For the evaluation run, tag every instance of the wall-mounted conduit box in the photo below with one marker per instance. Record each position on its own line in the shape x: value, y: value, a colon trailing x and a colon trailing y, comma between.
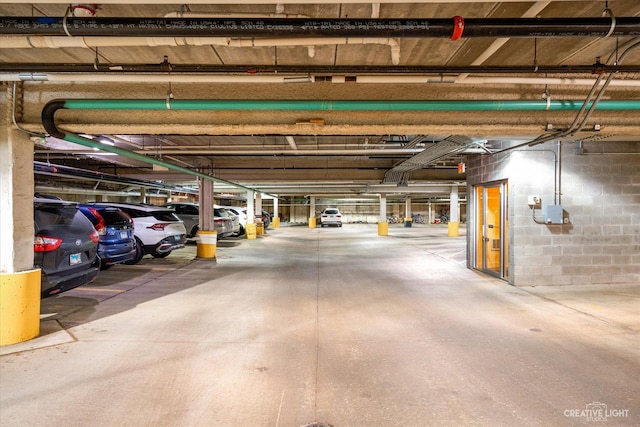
x: 553, y: 214
x: 534, y: 201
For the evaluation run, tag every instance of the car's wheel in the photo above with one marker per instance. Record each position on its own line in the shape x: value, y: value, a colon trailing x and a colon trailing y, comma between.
x: 160, y: 254
x: 194, y: 231
x: 105, y: 266
x: 139, y: 253
x: 241, y: 232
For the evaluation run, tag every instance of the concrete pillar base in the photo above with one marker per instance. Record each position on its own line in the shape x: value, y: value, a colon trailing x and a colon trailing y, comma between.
x: 408, y: 221
x: 259, y: 228
x: 453, y: 229
x: 251, y: 231
x: 276, y: 222
x: 207, y: 244
x: 19, y: 306
x: 312, y: 222
x: 383, y: 229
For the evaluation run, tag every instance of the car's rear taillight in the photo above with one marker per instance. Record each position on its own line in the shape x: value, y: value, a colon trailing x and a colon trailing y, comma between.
x: 100, y: 227
x: 159, y: 226
x: 46, y: 243
x: 94, y: 236
x: 338, y: 216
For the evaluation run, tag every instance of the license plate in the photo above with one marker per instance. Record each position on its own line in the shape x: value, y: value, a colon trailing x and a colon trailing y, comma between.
x: 75, y: 259
x: 177, y: 237
x: 124, y: 235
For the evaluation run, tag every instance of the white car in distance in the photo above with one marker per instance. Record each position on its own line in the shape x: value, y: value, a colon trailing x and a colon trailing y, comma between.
x: 331, y: 216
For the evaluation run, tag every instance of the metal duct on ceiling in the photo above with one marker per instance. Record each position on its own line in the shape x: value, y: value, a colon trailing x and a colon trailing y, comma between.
x: 450, y: 145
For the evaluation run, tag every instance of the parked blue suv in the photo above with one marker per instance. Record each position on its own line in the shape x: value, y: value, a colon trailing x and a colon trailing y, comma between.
x: 115, y: 228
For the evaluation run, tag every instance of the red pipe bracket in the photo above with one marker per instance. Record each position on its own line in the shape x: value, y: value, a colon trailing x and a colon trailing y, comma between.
x: 458, y: 27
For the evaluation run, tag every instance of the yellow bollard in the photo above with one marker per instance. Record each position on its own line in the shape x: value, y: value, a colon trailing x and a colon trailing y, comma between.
x: 312, y: 222
x: 276, y: 222
x: 207, y: 244
x: 383, y: 229
x: 250, y: 230
x: 453, y: 229
x: 19, y: 306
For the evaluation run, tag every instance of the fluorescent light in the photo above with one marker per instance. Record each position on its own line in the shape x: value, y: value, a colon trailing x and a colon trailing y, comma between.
x: 297, y: 79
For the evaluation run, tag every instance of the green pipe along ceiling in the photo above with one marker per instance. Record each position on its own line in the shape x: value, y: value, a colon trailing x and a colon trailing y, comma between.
x: 296, y: 105
x: 48, y: 113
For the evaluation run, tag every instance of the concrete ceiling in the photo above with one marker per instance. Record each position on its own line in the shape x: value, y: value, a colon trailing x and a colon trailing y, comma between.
x: 316, y: 151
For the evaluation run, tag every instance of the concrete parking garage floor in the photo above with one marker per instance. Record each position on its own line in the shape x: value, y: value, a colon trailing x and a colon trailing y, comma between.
x: 336, y: 326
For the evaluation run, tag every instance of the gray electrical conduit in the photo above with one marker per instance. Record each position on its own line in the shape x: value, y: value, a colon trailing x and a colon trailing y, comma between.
x: 592, y: 105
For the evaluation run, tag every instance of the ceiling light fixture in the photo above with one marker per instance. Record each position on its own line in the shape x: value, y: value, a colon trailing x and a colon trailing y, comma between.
x: 306, y: 79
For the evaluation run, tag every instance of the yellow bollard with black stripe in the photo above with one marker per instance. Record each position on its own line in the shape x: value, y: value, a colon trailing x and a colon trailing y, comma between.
x: 19, y: 306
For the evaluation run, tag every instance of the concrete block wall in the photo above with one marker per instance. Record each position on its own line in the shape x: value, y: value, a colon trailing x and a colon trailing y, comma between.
x: 600, y: 195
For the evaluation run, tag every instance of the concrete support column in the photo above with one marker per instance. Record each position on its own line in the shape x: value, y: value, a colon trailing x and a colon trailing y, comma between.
x: 19, y: 281
x: 312, y: 212
x: 276, y: 215
x: 430, y: 217
x: 143, y: 195
x: 258, y: 215
x: 407, y: 212
x: 454, y: 214
x: 250, y: 228
x: 383, y: 225
x: 207, y: 235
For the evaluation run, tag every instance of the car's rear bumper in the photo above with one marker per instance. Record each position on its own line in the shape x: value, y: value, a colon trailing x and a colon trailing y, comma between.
x: 167, y: 244
x: 55, y: 283
x: 107, y: 258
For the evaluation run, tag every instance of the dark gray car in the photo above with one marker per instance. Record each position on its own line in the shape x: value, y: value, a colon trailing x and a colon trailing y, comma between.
x: 65, y: 246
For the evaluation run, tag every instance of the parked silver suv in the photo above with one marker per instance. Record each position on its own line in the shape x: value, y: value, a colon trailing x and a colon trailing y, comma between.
x: 190, y: 214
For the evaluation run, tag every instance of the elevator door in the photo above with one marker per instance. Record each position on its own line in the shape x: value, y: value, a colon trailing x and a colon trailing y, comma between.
x: 491, y: 231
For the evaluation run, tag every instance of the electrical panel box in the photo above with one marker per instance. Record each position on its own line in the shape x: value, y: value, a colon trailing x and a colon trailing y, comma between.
x: 553, y: 214
x: 534, y: 201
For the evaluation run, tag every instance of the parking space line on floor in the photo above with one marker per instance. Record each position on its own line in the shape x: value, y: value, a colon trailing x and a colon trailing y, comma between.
x: 82, y: 288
